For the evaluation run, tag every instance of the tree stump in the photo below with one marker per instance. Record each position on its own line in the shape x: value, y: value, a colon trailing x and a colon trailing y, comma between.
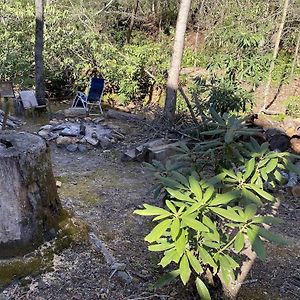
x: 29, y: 204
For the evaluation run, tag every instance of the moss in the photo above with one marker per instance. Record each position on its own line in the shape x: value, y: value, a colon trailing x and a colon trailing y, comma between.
x: 71, y: 231
x: 82, y: 190
x: 16, y: 268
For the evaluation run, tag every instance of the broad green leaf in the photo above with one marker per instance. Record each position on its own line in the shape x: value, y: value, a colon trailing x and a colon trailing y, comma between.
x: 184, y: 269
x: 256, y: 243
x: 228, y: 213
x: 229, y: 135
x: 272, y: 237
x: 202, y: 289
x: 263, y: 173
x: 175, y: 227
x: 261, y: 192
x: 250, y: 211
x: 239, y: 242
x: 278, y: 176
x: 251, y: 197
x: 207, y: 258
x: 171, y: 207
x: 208, y: 193
x: 209, y: 223
x: 194, y: 262
x: 233, y: 264
x: 180, y: 178
x: 213, y: 236
x: 195, y: 187
x: 211, y: 244
x: 216, y: 117
x: 230, y: 173
x: 158, y: 231
x: 224, y: 198
x: 249, y: 168
x: 181, y: 242
x: 272, y: 164
x: 179, y: 195
x: 169, y: 182
x: 166, y: 279
x: 151, y: 210
x: 168, y: 257
x: 212, y: 132
x: 192, y: 209
x: 160, y: 247
x: 196, y: 225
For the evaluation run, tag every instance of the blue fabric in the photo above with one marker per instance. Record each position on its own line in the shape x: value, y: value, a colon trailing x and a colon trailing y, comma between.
x: 96, y: 89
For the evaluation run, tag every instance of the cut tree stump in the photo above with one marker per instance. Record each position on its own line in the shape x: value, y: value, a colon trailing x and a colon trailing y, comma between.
x: 29, y: 204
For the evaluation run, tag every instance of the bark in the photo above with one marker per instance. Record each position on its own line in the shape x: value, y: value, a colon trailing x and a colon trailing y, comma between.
x: 39, y: 45
x: 275, y: 52
x: 29, y: 204
x: 129, y: 32
x: 178, y: 48
x: 295, y: 57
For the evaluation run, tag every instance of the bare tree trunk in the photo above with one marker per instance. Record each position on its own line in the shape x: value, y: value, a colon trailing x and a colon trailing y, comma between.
x: 178, y: 48
x: 39, y: 45
x: 295, y: 57
x: 129, y: 32
x: 275, y: 52
x: 198, y: 26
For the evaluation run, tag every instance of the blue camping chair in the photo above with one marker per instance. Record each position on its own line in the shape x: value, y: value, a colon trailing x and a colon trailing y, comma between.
x: 94, y: 95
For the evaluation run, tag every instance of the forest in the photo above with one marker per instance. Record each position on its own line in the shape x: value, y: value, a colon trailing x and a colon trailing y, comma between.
x: 185, y: 182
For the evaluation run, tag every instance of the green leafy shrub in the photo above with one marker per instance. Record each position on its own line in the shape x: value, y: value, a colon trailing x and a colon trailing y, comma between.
x: 293, y: 106
x: 210, y: 216
x: 221, y: 94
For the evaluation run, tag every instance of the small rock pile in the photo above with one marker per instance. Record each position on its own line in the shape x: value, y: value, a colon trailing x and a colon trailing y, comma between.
x: 11, y: 122
x: 80, y: 135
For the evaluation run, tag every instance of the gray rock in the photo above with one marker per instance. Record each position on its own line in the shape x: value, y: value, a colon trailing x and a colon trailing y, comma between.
x: 92, y: 141
x: 72, y: 148
x: 43, y: 133
x: 70, y: 131
x: 105, y: 142
x: 82, y: 148
x: 46, y: 127
x: 65, y: 140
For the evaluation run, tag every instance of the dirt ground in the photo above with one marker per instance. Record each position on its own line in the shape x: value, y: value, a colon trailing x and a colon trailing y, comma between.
x: 102, y: 191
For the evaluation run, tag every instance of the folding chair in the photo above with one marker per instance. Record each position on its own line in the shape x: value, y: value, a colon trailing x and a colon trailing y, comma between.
x: 94, y: 96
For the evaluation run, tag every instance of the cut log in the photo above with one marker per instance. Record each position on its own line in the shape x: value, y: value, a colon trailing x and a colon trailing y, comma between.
x: 29, y: 204
x: 74, y: 112
x: 114, y: 114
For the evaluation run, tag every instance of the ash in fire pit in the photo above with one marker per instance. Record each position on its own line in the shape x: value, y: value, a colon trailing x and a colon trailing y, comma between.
x: 5, y: 144
x: 80, y: 135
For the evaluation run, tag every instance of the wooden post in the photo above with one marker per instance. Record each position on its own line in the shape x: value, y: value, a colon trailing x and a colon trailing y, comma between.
x: 29, y: 204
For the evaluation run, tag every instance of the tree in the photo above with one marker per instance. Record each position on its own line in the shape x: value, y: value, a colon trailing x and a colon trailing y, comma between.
x: 295, y: 56
x: 39, y: 45
x: 130, y: 28
x: 178, y: 47
x: 275, y: 52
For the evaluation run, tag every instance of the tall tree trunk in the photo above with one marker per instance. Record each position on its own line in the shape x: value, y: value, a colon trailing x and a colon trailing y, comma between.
x: 39, y: 45
x: 178, y: 47
x: 295, y: 56
x: 134, y: 11
x: 275, y: 52
x: 198, y: 26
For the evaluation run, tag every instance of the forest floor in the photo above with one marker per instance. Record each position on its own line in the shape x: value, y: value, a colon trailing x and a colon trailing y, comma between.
x: 102, y: 191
